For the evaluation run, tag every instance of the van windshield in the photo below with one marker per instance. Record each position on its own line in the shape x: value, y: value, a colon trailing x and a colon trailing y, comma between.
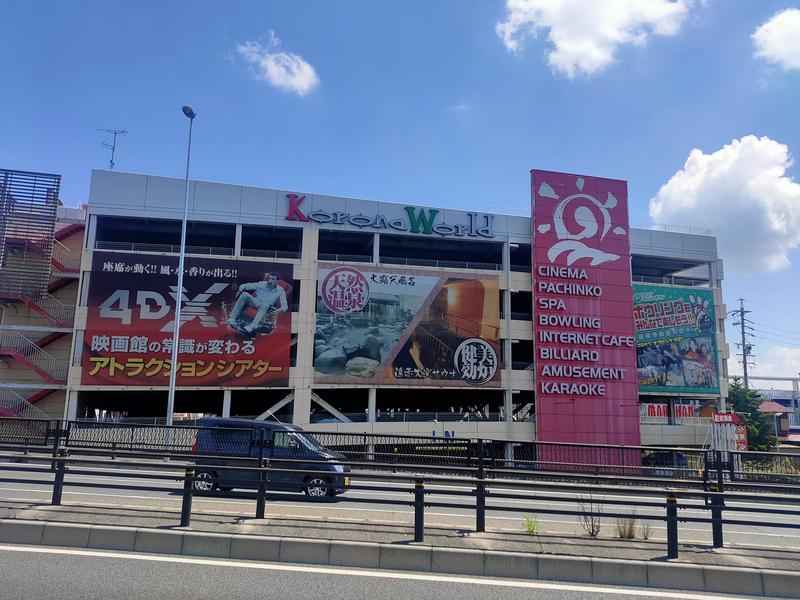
x: 310, y: 442
x: 287, y: 439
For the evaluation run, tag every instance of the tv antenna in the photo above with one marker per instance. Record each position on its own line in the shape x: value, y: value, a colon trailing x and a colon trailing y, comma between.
x: 113, y: 145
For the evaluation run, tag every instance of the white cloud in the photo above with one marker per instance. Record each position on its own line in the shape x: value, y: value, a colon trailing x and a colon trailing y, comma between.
x: 778, y: 40
x: 461, y: 107
x: 585, y: 34
x: 743, y: 194
x: 283, y: 70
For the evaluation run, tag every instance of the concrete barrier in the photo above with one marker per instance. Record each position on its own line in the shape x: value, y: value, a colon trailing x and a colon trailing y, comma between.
x: 216, y: 545
x: 729, y: 580
x: 511, y: 564
x: 408, y: 557
x: 21, y: 532
x: 565, y: 568
x: 298, y: 550
x: 675, y: 576
x: 782, y: 584
x: 619, y: 572
x: 456, y: 560
x: 105, y: 537
x: 158, y: 541
x: 254, y: 547
x: 405, y: 557
x: 354, y: 554
x: 66, y: 534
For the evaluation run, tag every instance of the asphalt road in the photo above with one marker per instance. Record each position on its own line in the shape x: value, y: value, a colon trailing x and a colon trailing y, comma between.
x: 36, y: 573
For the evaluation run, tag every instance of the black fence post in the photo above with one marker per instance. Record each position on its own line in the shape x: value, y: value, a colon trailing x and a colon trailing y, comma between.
x: 58, y: 480
x: 261, y: 497
x: 480, y: 492
x: 186, y: 505
x: 672, y: 525
x: 419, y: 510
x: 56, y: 444
x: 717, y: 504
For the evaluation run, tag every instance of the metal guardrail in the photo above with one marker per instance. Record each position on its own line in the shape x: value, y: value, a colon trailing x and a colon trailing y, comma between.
x: 344, y: 257
x: 437, y: 417
x: 167, y: 248
x: 651, y: 462
x: 445, y: 264
x: 482, y: 490
x: 27, y: 433
x: 290, y: 254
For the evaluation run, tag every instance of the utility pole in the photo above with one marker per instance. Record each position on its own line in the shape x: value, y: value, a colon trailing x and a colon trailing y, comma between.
x: 744, y: 323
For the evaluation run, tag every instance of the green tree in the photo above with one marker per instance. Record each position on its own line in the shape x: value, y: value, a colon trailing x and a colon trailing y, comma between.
x: 760, y: 427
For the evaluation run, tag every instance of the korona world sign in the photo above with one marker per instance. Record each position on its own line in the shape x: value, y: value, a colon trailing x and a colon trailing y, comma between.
x: 416, y: 220
x: 585, y: 341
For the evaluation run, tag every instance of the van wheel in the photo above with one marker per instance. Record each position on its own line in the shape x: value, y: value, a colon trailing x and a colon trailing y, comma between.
x: 317, y: 488
x: 205, y: 481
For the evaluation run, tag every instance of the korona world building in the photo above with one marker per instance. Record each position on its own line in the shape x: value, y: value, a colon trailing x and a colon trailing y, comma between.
x: 355, y: 315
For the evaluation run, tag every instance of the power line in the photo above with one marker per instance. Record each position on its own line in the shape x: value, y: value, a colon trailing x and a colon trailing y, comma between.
x: 775, y: 328
x: 790, y: 338
x: 777, y: 341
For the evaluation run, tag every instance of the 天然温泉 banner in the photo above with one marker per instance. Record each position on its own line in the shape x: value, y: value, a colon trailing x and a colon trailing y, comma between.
x: 676, y: 339
x: 396, y: 326
x: 235, y: 321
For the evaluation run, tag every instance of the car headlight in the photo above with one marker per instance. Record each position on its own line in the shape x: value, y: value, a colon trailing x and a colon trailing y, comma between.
x: 338, y: 468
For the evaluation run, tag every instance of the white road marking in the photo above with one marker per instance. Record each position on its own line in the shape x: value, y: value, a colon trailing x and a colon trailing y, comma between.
x: 370, y: 574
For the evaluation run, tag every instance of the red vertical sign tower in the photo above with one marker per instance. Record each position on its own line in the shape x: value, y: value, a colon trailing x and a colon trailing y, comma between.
x: 586, y: 384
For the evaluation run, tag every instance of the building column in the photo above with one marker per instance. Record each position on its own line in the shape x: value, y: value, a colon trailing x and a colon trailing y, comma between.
x: 671, y: 410
x: 71, y: 406
x: 301, y: 407
x: 226, y: 404
x: 508, y: 391
x: 237, y: 243
x: 371, y: 404
x: 376, y: 248
x: 303, y: 374
x: 91, y: 233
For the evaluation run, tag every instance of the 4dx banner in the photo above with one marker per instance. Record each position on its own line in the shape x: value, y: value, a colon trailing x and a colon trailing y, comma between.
x: 235, y: 322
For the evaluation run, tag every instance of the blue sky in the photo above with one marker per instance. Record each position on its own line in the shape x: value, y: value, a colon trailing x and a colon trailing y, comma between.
x: 427, y: 102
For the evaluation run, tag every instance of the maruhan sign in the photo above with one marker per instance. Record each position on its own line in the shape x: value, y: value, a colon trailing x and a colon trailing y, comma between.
x: 416, y: 220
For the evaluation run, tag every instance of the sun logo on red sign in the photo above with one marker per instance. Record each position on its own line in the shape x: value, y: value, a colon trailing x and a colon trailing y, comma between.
x: 575, y: 219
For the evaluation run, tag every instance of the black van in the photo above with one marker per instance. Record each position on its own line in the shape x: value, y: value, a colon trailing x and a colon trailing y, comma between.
x: 224, y: 441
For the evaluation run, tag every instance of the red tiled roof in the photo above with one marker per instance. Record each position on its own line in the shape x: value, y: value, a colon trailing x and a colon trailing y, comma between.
x: 770, y: 406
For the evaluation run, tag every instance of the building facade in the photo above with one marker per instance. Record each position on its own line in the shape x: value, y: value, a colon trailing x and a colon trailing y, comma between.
x: 358, y: 315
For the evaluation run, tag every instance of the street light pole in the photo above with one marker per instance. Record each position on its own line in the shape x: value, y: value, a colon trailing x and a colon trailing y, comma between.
x: 173, y: 371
